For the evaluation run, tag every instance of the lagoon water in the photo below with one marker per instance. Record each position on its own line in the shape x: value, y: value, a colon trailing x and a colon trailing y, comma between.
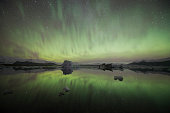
x: 91, y: 91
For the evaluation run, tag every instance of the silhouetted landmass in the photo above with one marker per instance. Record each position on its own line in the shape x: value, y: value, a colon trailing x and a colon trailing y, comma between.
x: 161, y: 66
x: 163, y: 63
x: 27, y: 63
x: 150, y: 66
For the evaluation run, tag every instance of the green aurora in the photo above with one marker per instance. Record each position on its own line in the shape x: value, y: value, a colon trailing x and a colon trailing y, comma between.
x: 85, y: 30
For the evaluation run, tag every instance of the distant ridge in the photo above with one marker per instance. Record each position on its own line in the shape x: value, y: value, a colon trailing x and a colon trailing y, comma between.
x: 157, y: 62
x: 27, y: 63
x: 11, y: 60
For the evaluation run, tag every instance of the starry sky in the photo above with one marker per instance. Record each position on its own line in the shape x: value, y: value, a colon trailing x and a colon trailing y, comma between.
x: 85, y: 30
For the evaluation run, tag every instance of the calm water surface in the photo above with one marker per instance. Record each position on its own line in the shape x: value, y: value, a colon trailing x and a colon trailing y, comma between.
x: 91, y: 91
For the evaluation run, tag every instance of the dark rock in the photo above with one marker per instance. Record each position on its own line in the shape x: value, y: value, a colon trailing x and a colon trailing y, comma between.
x: 66, y: 89
x: 111, y: 67
x: 120, y: 78
x: 67, y: 64
x: 105, y: 66
x: 7, y: 92
x: 67, y: 67
x: 61, y: 94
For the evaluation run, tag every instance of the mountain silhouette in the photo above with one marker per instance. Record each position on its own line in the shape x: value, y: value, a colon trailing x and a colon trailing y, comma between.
x: 27, y: 63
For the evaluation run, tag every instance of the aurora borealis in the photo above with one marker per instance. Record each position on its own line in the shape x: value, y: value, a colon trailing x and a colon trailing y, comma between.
x: 85, y: 30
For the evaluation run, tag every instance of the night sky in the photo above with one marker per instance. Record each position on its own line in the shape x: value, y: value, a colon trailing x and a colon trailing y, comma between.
x: 85, y: 30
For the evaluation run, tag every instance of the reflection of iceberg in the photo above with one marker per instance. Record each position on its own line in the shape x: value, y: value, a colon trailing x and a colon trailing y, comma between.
x: 120, y: 78
x: 67, y: 70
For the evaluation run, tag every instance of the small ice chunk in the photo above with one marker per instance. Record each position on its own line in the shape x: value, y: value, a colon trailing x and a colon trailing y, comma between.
x: 66, y: 89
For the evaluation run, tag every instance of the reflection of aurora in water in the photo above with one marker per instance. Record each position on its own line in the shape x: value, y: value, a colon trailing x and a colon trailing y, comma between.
x: 91, y: 91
